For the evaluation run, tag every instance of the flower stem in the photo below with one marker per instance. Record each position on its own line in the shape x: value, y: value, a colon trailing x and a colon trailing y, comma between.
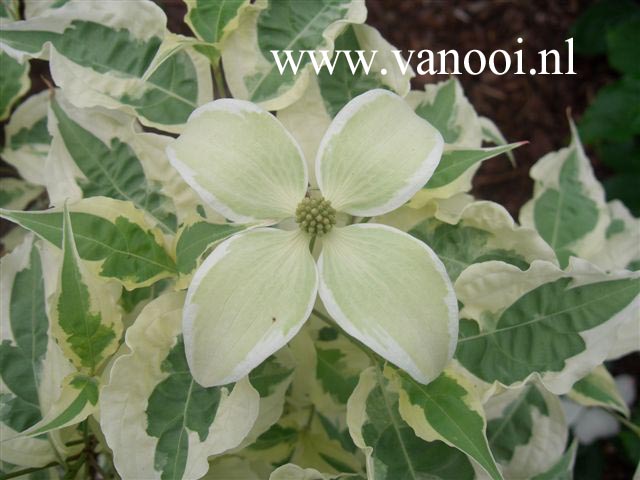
x: 312, y: 243
x: 219, y: 79
x: 365, y: 219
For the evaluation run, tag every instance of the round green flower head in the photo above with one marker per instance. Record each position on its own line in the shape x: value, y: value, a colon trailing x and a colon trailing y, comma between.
x: 315, y: 216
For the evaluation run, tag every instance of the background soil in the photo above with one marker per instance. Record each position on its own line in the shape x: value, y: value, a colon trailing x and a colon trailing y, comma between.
x: 524, y: 107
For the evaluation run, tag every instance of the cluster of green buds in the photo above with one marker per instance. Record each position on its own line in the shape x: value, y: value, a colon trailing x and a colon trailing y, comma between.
x: 315, y: 216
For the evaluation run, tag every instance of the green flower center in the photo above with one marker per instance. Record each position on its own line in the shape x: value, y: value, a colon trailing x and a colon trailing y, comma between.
x: 315, y: 216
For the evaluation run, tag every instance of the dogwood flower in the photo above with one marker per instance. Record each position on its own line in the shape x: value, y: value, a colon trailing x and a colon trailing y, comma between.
x: 257, y: 288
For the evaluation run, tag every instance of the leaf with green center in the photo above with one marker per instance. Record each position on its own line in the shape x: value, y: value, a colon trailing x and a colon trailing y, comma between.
x: 271, y: 379
x: 195, y: 238
x: 102, y: 55
x: 250, y: 68
x: 343, y: 85
x: 392, y: 448
x: 526, y: 429
x: 447, y: 410
x: 622, y: 244
x: 31, y: 364
x: 24, y: 344
x: 456, y: 162
x: 484, y: 231
x: 563, y: 468
x: 27, y: 139
x: 14, y: 82
x: 445, y: 106
x: 376, y: 154
x: 242, y: 138
x: 78, y: 399
x: 291, y: 471
x: 111, y: 233
x: 598, y: 389
x: 246, y: 301
x: 86, y: 321
x: 390, y: 312
x: 568, y: 208
x: 109, y: 168
x: 17, y: 194
x: 213, y: 22
x: 157, y: 409
x: 565, y: 319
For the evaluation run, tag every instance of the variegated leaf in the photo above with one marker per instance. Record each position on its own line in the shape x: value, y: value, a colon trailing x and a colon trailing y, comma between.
x: 153, y: 406
x: 568, y: 207
x: 250, y: 68
x: 16, y: 194
x: 27, y: 139
x: 447, y: 410
x: 31, y: 364
x: 195, y: 238
x: 484, y: 231
x: 95, y: 152
x: 526, y: 429
x: 101, y: 54
x: 574, y: 313
x: 111, y: 234
x: 86, y: 320
x: 14, y: 82
x: 78, y: 399
x: 563, y: 468
x: 598, y: 389
x: 271, y: 379
x: 621, y: 248
x: 392, y: 448
x: 212, y: 22
x: 456, y: 162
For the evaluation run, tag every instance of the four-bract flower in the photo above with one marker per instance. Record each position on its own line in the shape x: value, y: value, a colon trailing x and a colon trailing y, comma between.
x: 257, y: 288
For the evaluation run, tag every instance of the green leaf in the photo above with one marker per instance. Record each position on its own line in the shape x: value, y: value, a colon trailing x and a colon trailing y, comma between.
x: 457, y: 161
x: 553, y: 315
x: 127, y: 250
x: 86, y: 324
x: 591, y: 27
x: 598, y: 389
x: 14, y: 82
x: 112, y: 170
x: 393, y: 450
x: 614, y: 114
x: 447, y: 410
x: 194, y: 239
x: 622, y: 46
x: 154, y: 407
x: 286, y: 25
